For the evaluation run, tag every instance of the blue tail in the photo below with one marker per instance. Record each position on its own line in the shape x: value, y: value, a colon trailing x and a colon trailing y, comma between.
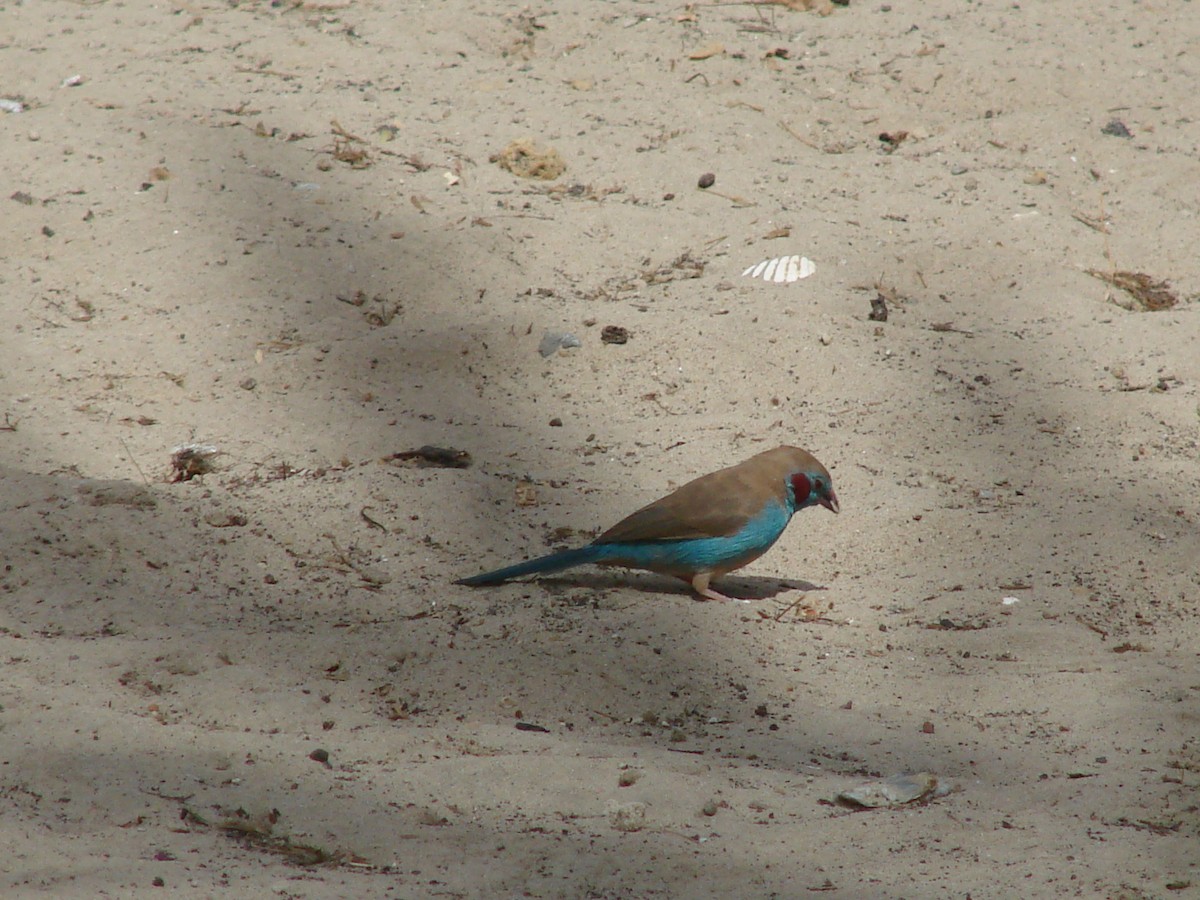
x: 555, y: 562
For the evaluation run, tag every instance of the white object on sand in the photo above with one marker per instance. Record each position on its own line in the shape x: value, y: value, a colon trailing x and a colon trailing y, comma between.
x: 782, y: 269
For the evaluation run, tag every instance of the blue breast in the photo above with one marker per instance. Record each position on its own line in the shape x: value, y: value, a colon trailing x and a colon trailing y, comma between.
x: 692, y: 555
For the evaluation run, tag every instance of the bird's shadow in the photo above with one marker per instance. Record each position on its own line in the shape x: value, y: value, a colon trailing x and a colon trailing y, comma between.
x: 738, y: 588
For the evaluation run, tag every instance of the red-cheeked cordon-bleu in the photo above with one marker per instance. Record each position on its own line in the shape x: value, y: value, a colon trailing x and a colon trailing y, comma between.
x: 706, y: 529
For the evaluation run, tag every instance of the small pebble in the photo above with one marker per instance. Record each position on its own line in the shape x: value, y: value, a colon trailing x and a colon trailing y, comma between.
x: 628, y: 816
x: 1117, y: 128
x: 614, y: 334
x: 707, y: 180
x: 553, y: 341
x: 321, y: 756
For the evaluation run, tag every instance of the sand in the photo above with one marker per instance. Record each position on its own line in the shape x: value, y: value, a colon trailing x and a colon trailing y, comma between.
x: 285, y: 232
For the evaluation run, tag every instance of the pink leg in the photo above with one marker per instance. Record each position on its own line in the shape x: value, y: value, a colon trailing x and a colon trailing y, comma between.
x: 703, y: 591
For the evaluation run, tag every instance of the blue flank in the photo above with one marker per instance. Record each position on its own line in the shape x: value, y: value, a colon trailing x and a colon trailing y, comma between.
x: 680, y: 557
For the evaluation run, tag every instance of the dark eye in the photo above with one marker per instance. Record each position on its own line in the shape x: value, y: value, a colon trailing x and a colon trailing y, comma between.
x: 801, y: 488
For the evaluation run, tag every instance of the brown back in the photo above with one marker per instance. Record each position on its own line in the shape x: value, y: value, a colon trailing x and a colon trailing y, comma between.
x: 717, y: 504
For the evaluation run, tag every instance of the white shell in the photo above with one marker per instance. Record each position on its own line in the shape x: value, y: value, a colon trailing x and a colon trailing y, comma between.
x: 782, y: 269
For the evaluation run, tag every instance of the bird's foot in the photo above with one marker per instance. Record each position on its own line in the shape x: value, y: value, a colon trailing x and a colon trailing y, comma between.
x: 704, y: 592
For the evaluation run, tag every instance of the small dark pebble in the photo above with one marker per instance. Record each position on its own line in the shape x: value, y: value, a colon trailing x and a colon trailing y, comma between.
x: 158, y: 881
x: 614, y: 334
x: 321, y: 756
x: 668, y: 196
x: 1116, y: 128
x: 47, y: 231
x: 556, y: 422
x: 529, y: 726
x: 707, y: 180
x: 879, y: 310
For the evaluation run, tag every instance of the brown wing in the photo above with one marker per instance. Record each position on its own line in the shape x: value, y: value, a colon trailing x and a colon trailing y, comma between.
x: 717, y: 504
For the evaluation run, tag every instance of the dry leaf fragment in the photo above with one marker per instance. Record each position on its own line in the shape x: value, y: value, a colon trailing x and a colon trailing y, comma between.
x: 1150, y: 295
x: 707, y: 51
x: 429, y: 456
x: 348, y: 148
x: 1096, y: 223
x: 820, y: 7
x: 527, y: 160
x: 190, y: 461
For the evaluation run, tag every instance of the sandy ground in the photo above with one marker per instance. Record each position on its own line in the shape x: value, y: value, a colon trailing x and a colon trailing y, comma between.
x: 277, y: 229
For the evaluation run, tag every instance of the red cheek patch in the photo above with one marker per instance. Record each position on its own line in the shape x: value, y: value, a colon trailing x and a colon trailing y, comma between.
x: 801, y: 488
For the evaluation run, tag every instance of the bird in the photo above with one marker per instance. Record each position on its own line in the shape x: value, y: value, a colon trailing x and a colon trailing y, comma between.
x: 705, y: 529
